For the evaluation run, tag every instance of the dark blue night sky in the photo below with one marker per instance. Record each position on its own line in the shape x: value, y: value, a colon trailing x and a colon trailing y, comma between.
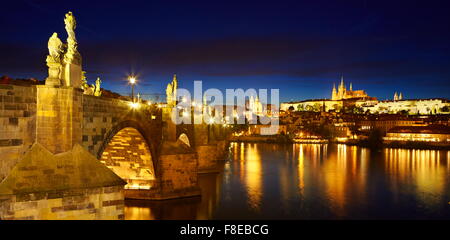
x: 300, y: 47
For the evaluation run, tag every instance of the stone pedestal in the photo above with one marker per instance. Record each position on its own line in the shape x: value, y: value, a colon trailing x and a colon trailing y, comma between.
x: 170, y: 129
x: 58, y: 118
x: 72, y: 75
x: 54, y: 73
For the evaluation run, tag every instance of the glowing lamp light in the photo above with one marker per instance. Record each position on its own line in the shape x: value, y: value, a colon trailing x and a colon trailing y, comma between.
x: 211, y: 121
x: 134, y: 105
x: 132, y: 80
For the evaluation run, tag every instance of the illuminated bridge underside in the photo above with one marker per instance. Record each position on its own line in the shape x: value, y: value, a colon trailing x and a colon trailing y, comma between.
x: 128, y: 155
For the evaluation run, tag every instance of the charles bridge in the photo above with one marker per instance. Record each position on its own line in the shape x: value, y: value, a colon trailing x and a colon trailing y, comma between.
x: 65, y: 154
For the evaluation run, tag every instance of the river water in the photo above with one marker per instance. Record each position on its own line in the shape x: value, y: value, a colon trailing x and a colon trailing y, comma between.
x: 314, y: 181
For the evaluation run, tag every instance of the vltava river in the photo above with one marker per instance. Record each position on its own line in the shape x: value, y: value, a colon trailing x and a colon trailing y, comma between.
x: 312, y: 181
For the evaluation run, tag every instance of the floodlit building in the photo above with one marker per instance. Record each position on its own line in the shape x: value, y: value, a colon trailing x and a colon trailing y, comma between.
x: 342, y: 93
x: 385, y: 123
x: 315, y: 105
x: 410, y: 106
x: 340, y: 98
x: 431, y: 133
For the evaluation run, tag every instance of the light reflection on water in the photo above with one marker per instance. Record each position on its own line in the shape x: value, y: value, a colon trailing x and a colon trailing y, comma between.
x: 313, y: 181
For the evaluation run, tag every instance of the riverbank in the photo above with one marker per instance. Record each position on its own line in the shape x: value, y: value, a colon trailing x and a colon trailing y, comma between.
x: 262, y: 139
x: 396, y: 144
x: 350, y: 142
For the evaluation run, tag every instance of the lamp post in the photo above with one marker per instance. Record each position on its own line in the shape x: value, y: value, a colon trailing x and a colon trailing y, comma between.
x: 132, y: 82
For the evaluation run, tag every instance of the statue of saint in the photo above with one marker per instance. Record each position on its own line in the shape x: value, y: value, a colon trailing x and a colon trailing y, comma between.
x: 54, y: 61
x: 72, y: 55
x: 55, y: 49
x: 97, y: 91
x: 171, y: 91
x: 84, y: 84
x: 71, y: 24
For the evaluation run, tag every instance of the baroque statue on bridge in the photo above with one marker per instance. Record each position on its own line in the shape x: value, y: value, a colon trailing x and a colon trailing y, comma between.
x: 93, y: 89
x: 55, y: 49
x: 72, y: 55
x: 54, y: 63
x: 71, y: 24
x: 97, y: 91
x: 64, y: 60
x: 84, y: 84
x: 171, y: 92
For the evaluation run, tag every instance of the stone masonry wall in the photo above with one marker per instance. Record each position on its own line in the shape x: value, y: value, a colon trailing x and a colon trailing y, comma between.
x: 104, y: 203
x: 99, y: 116
x: 207, y: 158
x: 178, y: 175
x: 18, y: 124
x: 210, y: 155
x: 58, y: 117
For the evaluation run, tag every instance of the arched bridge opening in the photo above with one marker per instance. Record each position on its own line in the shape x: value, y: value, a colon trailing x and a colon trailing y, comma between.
x: 128, y: 155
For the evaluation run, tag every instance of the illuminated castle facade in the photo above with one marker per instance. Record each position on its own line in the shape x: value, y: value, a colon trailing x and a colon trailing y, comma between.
x: 342, y: 98
x: 342, y: 93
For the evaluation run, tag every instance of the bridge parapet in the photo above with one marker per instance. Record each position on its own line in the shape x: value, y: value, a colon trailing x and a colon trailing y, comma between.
x: 17, y: 124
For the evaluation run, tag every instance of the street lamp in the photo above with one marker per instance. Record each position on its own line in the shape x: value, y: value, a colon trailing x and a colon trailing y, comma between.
x: 132, y: 82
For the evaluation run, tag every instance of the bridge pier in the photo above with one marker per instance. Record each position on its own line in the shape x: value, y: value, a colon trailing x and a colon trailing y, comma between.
x: 210, y: 148
x: 176, y: 174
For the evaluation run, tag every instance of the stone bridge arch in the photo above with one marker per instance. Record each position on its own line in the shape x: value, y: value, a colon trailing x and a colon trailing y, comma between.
x: 128, y: 152
x: 104, y: 117
x: 185, y: 139
x: 186, y: 131
x: 128, y: 124
x: 174, y: 163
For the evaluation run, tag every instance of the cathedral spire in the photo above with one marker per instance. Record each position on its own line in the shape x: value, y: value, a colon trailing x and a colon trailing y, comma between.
x: 334, y: 92
x: 351, y: 87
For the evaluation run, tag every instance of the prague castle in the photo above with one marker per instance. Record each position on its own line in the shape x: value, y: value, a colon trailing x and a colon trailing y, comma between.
x: 340, y: 98
x: 342, y: 92
x: 360, y: 102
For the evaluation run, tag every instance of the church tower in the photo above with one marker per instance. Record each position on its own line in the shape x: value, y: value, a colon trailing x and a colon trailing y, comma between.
x: 342, y: 89
x: 395, y: 96
x: 334, y: 93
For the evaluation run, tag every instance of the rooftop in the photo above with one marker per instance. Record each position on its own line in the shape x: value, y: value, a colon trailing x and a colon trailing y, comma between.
x: 431, y: 129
